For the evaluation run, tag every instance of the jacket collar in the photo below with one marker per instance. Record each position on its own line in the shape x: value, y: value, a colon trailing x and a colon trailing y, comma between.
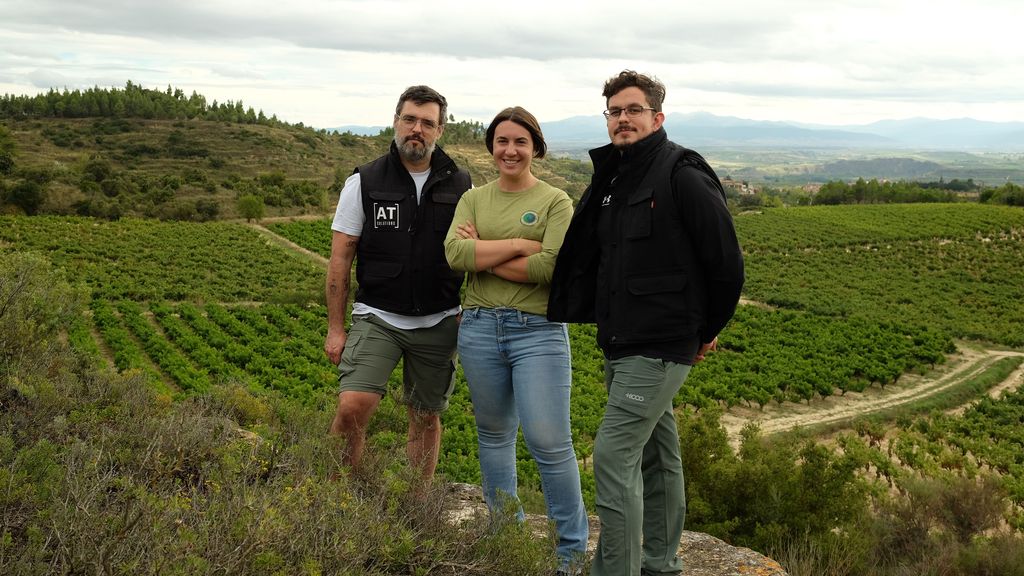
x: 637, y: 152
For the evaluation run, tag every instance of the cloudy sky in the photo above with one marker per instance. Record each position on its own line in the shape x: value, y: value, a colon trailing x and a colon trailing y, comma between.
x: 328, y: 63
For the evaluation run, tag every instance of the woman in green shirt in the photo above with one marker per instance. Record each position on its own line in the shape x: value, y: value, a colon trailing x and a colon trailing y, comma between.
x: 506, y: 235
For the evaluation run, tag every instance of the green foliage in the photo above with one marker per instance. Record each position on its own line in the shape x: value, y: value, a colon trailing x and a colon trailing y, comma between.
x: 181, y: 146
x: 100, y: 474
x: 952, y: 268
x: 7, y: 149
x: 133, y: 101
x: 251, y: 207
x: 769, y: 491
x: 875, y: 192
x: 97, y: 169
x: 462, y: 132
x: 784, y: 355
x: 143, y: 164
x: 140, y: 260
x: 1010, y: 194
x: 35, y: 301
x: 27, y: 195
x: 312, y: 235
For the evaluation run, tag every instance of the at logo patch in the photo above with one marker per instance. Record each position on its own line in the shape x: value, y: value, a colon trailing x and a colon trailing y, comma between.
x: 529, y: 218
x: 385, y: 215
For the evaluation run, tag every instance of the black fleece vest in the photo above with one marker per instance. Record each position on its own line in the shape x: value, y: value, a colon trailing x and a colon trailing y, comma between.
x: 400, y: 261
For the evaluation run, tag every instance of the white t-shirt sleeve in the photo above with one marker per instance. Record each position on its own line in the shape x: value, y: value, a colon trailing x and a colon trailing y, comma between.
x: 348, y: 216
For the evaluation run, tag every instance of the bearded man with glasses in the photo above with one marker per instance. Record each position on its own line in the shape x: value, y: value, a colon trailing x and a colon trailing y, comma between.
x: 651, y: 257
x: 392, y: 218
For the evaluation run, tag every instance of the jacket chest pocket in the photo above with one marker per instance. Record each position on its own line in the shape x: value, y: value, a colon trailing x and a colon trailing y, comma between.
x: 639, y: 214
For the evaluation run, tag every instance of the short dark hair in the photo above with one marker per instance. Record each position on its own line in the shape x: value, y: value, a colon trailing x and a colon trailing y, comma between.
x: 520, y: 116
x: 421, y: 95
x: 652, y: 88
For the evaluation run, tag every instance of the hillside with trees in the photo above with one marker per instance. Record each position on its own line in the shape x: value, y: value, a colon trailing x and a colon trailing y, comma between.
x: 112, y: 153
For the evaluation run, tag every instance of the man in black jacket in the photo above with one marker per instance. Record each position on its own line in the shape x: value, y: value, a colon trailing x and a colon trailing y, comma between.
x: 652, y: 257
x: 392, y: 217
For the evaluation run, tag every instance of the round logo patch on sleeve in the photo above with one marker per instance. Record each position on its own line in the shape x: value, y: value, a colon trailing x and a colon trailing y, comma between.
x: 529, y: 218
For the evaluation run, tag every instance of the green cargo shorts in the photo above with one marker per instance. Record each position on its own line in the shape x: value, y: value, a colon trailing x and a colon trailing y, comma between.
x: 374, y: 348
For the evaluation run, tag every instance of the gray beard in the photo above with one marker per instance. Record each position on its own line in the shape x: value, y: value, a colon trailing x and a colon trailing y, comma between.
x: 413, y: 153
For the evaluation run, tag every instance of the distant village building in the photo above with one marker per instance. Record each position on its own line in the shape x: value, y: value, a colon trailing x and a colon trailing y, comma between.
x: 742, y: 188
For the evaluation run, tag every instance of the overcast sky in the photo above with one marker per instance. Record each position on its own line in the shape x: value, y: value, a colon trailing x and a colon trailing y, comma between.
x: 330, y: 63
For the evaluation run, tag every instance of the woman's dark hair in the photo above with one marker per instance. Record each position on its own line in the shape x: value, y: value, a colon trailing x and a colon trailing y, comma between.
x: 520, y: 116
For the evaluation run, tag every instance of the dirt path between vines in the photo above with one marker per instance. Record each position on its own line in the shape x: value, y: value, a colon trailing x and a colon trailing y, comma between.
x: 966, y: 363
x: 286, y: 243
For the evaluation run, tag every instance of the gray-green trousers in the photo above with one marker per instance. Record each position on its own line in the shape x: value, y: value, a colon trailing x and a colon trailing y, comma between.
x: 638, y: 471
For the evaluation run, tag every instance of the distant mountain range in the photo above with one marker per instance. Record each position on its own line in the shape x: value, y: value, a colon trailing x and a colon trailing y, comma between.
x: 701, y: 129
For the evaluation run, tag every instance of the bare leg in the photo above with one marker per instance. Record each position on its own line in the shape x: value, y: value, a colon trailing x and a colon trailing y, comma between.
x: 424, y: 441
x: 350, y: 420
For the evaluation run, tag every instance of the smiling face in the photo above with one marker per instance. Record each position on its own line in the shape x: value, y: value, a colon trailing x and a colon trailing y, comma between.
x: 513, y: 150
x: 625, y: 131
x: 417, y: 129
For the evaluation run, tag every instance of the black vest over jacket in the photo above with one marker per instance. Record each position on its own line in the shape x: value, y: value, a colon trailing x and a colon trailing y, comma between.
x: 655, y: 288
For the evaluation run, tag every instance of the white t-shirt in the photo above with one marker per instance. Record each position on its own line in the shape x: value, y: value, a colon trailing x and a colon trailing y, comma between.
x: 349, y: 219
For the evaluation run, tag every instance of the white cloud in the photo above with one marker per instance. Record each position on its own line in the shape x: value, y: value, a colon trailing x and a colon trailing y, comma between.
x: 327, y: 63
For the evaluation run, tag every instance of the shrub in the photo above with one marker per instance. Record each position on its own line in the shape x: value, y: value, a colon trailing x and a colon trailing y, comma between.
x: 6, y: 162
x: 207, y: 208
x: 35, y: 302
x: 251, y: 207
x: 27, y: 195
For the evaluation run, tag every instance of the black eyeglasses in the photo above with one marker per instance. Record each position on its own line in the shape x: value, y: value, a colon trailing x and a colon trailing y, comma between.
x: 411, y: 121
x: 631, y: 111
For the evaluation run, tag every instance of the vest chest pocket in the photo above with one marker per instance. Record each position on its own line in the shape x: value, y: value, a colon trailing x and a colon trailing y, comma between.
x: 639, y: 214
x: 385, y: 210
x: 444, y: 209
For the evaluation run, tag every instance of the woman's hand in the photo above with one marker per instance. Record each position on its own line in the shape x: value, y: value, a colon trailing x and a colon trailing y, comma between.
x: 525, y: 247
x: 467, y: 231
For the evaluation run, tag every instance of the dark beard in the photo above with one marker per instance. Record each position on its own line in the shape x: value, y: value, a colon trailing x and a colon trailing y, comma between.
x: 413, y: 153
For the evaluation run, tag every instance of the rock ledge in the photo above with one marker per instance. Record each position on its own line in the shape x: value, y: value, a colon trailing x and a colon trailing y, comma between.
x: 702, y: 554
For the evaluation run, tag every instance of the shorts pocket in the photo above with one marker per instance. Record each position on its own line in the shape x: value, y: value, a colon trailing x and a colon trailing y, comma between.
x: 348, y: 354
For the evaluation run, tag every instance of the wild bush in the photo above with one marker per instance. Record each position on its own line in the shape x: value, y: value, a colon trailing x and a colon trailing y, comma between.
x: 99, y: 473
x: 35, y: 301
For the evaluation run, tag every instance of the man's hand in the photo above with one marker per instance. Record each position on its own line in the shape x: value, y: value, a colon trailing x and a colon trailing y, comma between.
x: 704, y: 349
x: 334, y: 344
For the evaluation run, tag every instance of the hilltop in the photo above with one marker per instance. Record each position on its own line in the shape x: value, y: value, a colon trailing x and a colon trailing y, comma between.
x: 196, y: 169
x: 150, y: 153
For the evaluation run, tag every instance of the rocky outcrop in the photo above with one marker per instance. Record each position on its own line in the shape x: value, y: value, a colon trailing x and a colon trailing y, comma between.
x: 702, y: 555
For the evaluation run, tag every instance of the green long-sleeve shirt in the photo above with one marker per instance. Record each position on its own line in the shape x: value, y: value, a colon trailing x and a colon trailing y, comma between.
x: 541, y: 212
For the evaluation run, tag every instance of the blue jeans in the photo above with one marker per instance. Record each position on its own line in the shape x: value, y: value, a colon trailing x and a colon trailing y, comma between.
x: 518, y: 370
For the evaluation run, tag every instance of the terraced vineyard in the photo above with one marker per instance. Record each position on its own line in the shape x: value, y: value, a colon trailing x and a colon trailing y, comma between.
x: 861, y: 297
x: 955, y: 268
